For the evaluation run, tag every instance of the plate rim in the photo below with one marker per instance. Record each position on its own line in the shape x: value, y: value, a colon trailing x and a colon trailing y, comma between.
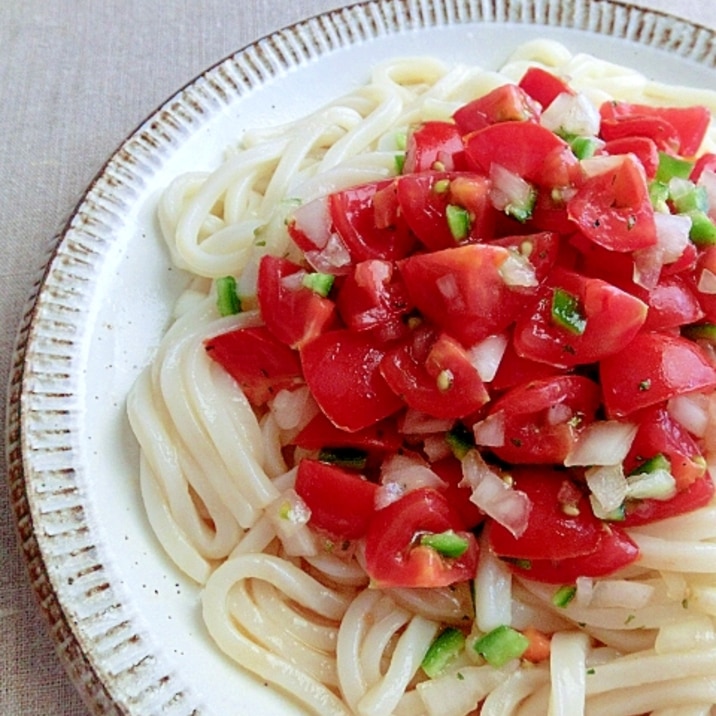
x: 152, y: 140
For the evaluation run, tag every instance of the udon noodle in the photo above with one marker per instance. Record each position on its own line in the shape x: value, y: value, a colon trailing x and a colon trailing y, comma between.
x: 213, y: 473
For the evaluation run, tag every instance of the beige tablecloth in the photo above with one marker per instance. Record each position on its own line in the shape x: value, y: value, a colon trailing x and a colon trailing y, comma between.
x: 75, y: 78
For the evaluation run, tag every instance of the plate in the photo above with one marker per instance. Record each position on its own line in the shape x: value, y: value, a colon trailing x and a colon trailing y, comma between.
x: 125, y: 621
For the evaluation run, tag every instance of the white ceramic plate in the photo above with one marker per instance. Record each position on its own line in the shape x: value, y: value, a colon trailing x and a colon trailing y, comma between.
x: 126, y: 622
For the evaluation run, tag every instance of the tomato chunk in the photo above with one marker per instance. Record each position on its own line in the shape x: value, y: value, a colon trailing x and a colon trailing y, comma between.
x: 650, y: 369
x: 543, y: 86
x: 341, y: 502
x: 294, y: 313
x: 463, y: 291
x: 614, y: 551
x: 395, y: 558
x: 342, y: 370
x: 434, y: 145
x: 560, y: 524
x: 613, y: 208
x: 260, y: 363
x: 503, y: 104
x: 541, y: 419
x: 434, y: 375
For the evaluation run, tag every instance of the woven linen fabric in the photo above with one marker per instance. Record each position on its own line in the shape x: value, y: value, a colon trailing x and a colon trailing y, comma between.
x: 75, y: 78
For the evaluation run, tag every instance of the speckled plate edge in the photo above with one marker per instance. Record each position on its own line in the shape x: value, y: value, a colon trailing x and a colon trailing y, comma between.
x: 109, y: 657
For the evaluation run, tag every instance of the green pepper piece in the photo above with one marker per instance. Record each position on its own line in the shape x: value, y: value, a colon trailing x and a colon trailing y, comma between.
x: 320, y: 283
x: 501, y: 645
x: 671, y: 166
x: 446, y: 647
x: 448, y: 543
x: 458, y: 220
x: 227, y: 300
x: 566, y: 313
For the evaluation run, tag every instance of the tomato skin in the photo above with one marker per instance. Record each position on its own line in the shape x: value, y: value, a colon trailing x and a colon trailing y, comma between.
x: 462, y: 291
x: 698, y: 494
x: 353, y: 215
x: 613, y: 318
x: 538, y: 418
x: 296, y: 314
x: 614, y: 551
x: 613, y: 208
x: 342, y: 370
x: 380, y: 438
x: 659, y: 433
x: 541, y: 249
x: 705, y: 162
x: 449, y: 470
x: 543, y: 86
x: 525, y: 148
x: 503, y: 104
x: 341, y: 503
x: 644, y: 148
x: 372, y: 297
x: 260, y: 363
x: 672, y: 303
x: 550, y: 533
x: 679, y: 129
x: 423, y: 199
x: 515, y: 370
x: 391, y: 558
x: 706, y: 261
x: 434, y: 375
x: 650, y: 369
x: 434, y: 144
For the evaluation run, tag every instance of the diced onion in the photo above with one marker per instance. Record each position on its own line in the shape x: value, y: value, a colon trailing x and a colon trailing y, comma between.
x: 608, y: 486
x: 506, y: 505
x: 691, y: 411
x: 490, y: 432
x: 487, y: 355
x: 289, y: 515
x: 672, y: 234
x: 293, y: 409
x: 604, y: 442
x: 594, y: 166
x: 401, y: 474
x: 333, y: 258
x: 508, y: 188
x: 707, y: 282
x: 416, y: 423
x: 708, y: 181
x: 656, y: 485
x: 571, y: 114
x: 517, y: 271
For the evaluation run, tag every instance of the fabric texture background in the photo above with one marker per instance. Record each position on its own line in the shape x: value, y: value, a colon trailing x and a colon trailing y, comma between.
x: 76, y: 77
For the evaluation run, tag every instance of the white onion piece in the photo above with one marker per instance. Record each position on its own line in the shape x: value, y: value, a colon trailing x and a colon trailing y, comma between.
x: 490, y: 432
x: 417, y: 423
x: 672, y: 234
x: 487, y: 355
x: 656, y: 485
x: 593, y: 166
x: 506, y: 505
x: 333, y: 258
x: 691, y: 411
x: 518, y: 272
x: 409, y: 473
x: 436, y: 447
x: 708, y: 181
x: 289, y: 515
x: 314, y: 220
x: 508, y: 188
x: 707, y: 282
x: 608, y: 486
x: 604, y: 442
x: 294, y: 409
x: 571, y: 114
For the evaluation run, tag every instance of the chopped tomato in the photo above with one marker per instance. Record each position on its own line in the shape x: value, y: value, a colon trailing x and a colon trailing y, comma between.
x: 506, y: 103
x: 614, y: 551
x: 341, y: 502
x: 294, y: 313
x: 260, y: 363
x: 698, y: 494
x: 524, y: 148
x: 601, y: 321
x: 540, y: 249
x: 543, y: 86
x: 650, y: 369
x: 353, y: 214
x: 706, y: 162
x: 561, y: 523
x: 425, y: 200
x: 678, y: 129
x: 372, y: 297
x: 705, y: 277
x: 613, y: 208
x: 463, y: 291
x: 644, y: 148
x: 342, y: 370
x: 449, y: 470
x: 515, y: 370
x: 434, y: 375
x: 434, y: 146
x: 393, y: 553
x: 672, y: 303
x: 660, y: 434
x: 541, y: 419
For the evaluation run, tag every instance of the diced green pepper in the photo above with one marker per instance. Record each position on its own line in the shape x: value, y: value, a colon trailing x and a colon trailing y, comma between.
x: 446, y: 647
x: 703, y: 230
x: 460, y: 439
x: 448, y: 543
x: 353, y: 458
x: 671, y: 166
x: 522, y: 211
x: 320, y: 283
x: 227, y: 300
x: 583, y: 147
x: 658, y: 462
x: 566, y: 313
x: 501, y: 645
x: 399, y: 160
x: 564, y: 595
x: 687, y: 197
x: 659, y: 195
x: 700, y: 331
x: 458, y: 220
